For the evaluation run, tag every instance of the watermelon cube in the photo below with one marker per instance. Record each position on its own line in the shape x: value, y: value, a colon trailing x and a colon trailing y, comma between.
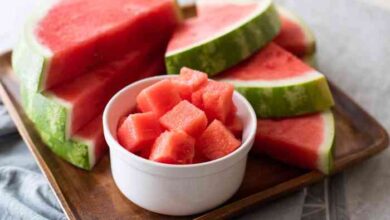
x: 215, y: 99
x: 158, y: 98
x: 189, y: 81
x: 173, y: 147
x: 139, y: 131
x: 216, y: 141
x: 145, y: 153
x: 185, y: 117
x: 199, y: 158
x: 235, y: 126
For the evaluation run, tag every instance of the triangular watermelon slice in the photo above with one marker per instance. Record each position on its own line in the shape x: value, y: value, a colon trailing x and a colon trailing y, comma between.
x: 304, y: 141
x: 62, y: 115
x: 295, y: 36
x: 221, y: 38
x: 67, y: 38
x: 86, y: 146
x: 278, y: 84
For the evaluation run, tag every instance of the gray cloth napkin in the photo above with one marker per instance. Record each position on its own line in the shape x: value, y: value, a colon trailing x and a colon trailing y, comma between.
x: 24, y: 191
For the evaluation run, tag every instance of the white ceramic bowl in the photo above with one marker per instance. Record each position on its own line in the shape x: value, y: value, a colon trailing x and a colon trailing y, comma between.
x: 175, y: 189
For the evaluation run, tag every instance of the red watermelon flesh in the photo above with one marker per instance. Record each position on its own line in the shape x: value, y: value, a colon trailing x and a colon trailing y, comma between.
x: 270, y: 63
x: 302, y: 141
x: 88, y: 94
x: 185, y: 117
x: 139, y: 131
x: 215, y: 99
x: 173, y: 147
x: 235, y: 126
x: 188, y: 82
x: 158, y: 98
x: 293, y: 35
x: 145, y: 153
x: 81, y: 34
x: 216, y: 141
x: 195, y: 30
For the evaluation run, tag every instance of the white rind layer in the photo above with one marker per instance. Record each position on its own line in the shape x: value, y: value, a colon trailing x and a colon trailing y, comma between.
x: 324, y: 162
x: 91, y: 148
x: 69, y: 111
x: 306, y: 77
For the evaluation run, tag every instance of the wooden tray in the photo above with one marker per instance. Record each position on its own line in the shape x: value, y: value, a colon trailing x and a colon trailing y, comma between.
x: 93, y: 195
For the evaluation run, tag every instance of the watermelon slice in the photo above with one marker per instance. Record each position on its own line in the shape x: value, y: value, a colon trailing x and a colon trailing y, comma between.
x: 74, y: 104
x: 277, y: 84
x: 221, y: 38
x: 304, y: 141
x: 56, y: 115
x: 185, y: 117
x: 86, y: 146
x: 173, y: 147
x: 139, y: 131
x: 216, y: 141
x: 68, y: 38
x: 295, y: 36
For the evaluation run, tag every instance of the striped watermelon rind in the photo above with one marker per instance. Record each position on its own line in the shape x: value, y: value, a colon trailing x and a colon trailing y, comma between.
x: 288, y: 97
x: 30, y: 59
x: 230, y: 47
x: 50, y: 120
x: 325, y: 152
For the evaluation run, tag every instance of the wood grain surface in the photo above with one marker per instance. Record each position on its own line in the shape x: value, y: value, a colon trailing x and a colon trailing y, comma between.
x: 93, y: 195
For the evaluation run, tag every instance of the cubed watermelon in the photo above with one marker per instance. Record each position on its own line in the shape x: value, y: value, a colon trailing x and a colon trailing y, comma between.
x: 145, y: 153
x: 173, y: 147
x: 216, y: 141
x: 189, y: 81
x: 186, y: 117
x: 139, y: 131
x: 235, y: 126
x: 215, y: 99
x: 158, y: 98
x: 199, y: 158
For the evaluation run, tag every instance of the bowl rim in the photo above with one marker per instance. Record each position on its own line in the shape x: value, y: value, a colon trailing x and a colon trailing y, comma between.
x: 113, y: 143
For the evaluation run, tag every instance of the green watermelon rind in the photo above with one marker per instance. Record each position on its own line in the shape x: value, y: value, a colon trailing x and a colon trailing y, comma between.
x: 229, y: 48
x: 325, y: 153
x: 30, y: 59
x: 310, y: 59
x: 290, y: 98
x: 308, y: 33
x: 49, y: 119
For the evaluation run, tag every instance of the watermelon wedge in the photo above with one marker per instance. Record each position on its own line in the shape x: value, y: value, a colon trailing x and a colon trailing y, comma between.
x: 67, y: 38
x: 74, y: 104
x: 86, y: 146
x: 60, y: 114
x: 221, y: 38
x: 295, y: 36
x: 278, y: 84
x: 304, y: 141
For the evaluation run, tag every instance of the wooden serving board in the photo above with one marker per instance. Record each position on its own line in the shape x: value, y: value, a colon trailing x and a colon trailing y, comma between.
x: 93, y: 195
